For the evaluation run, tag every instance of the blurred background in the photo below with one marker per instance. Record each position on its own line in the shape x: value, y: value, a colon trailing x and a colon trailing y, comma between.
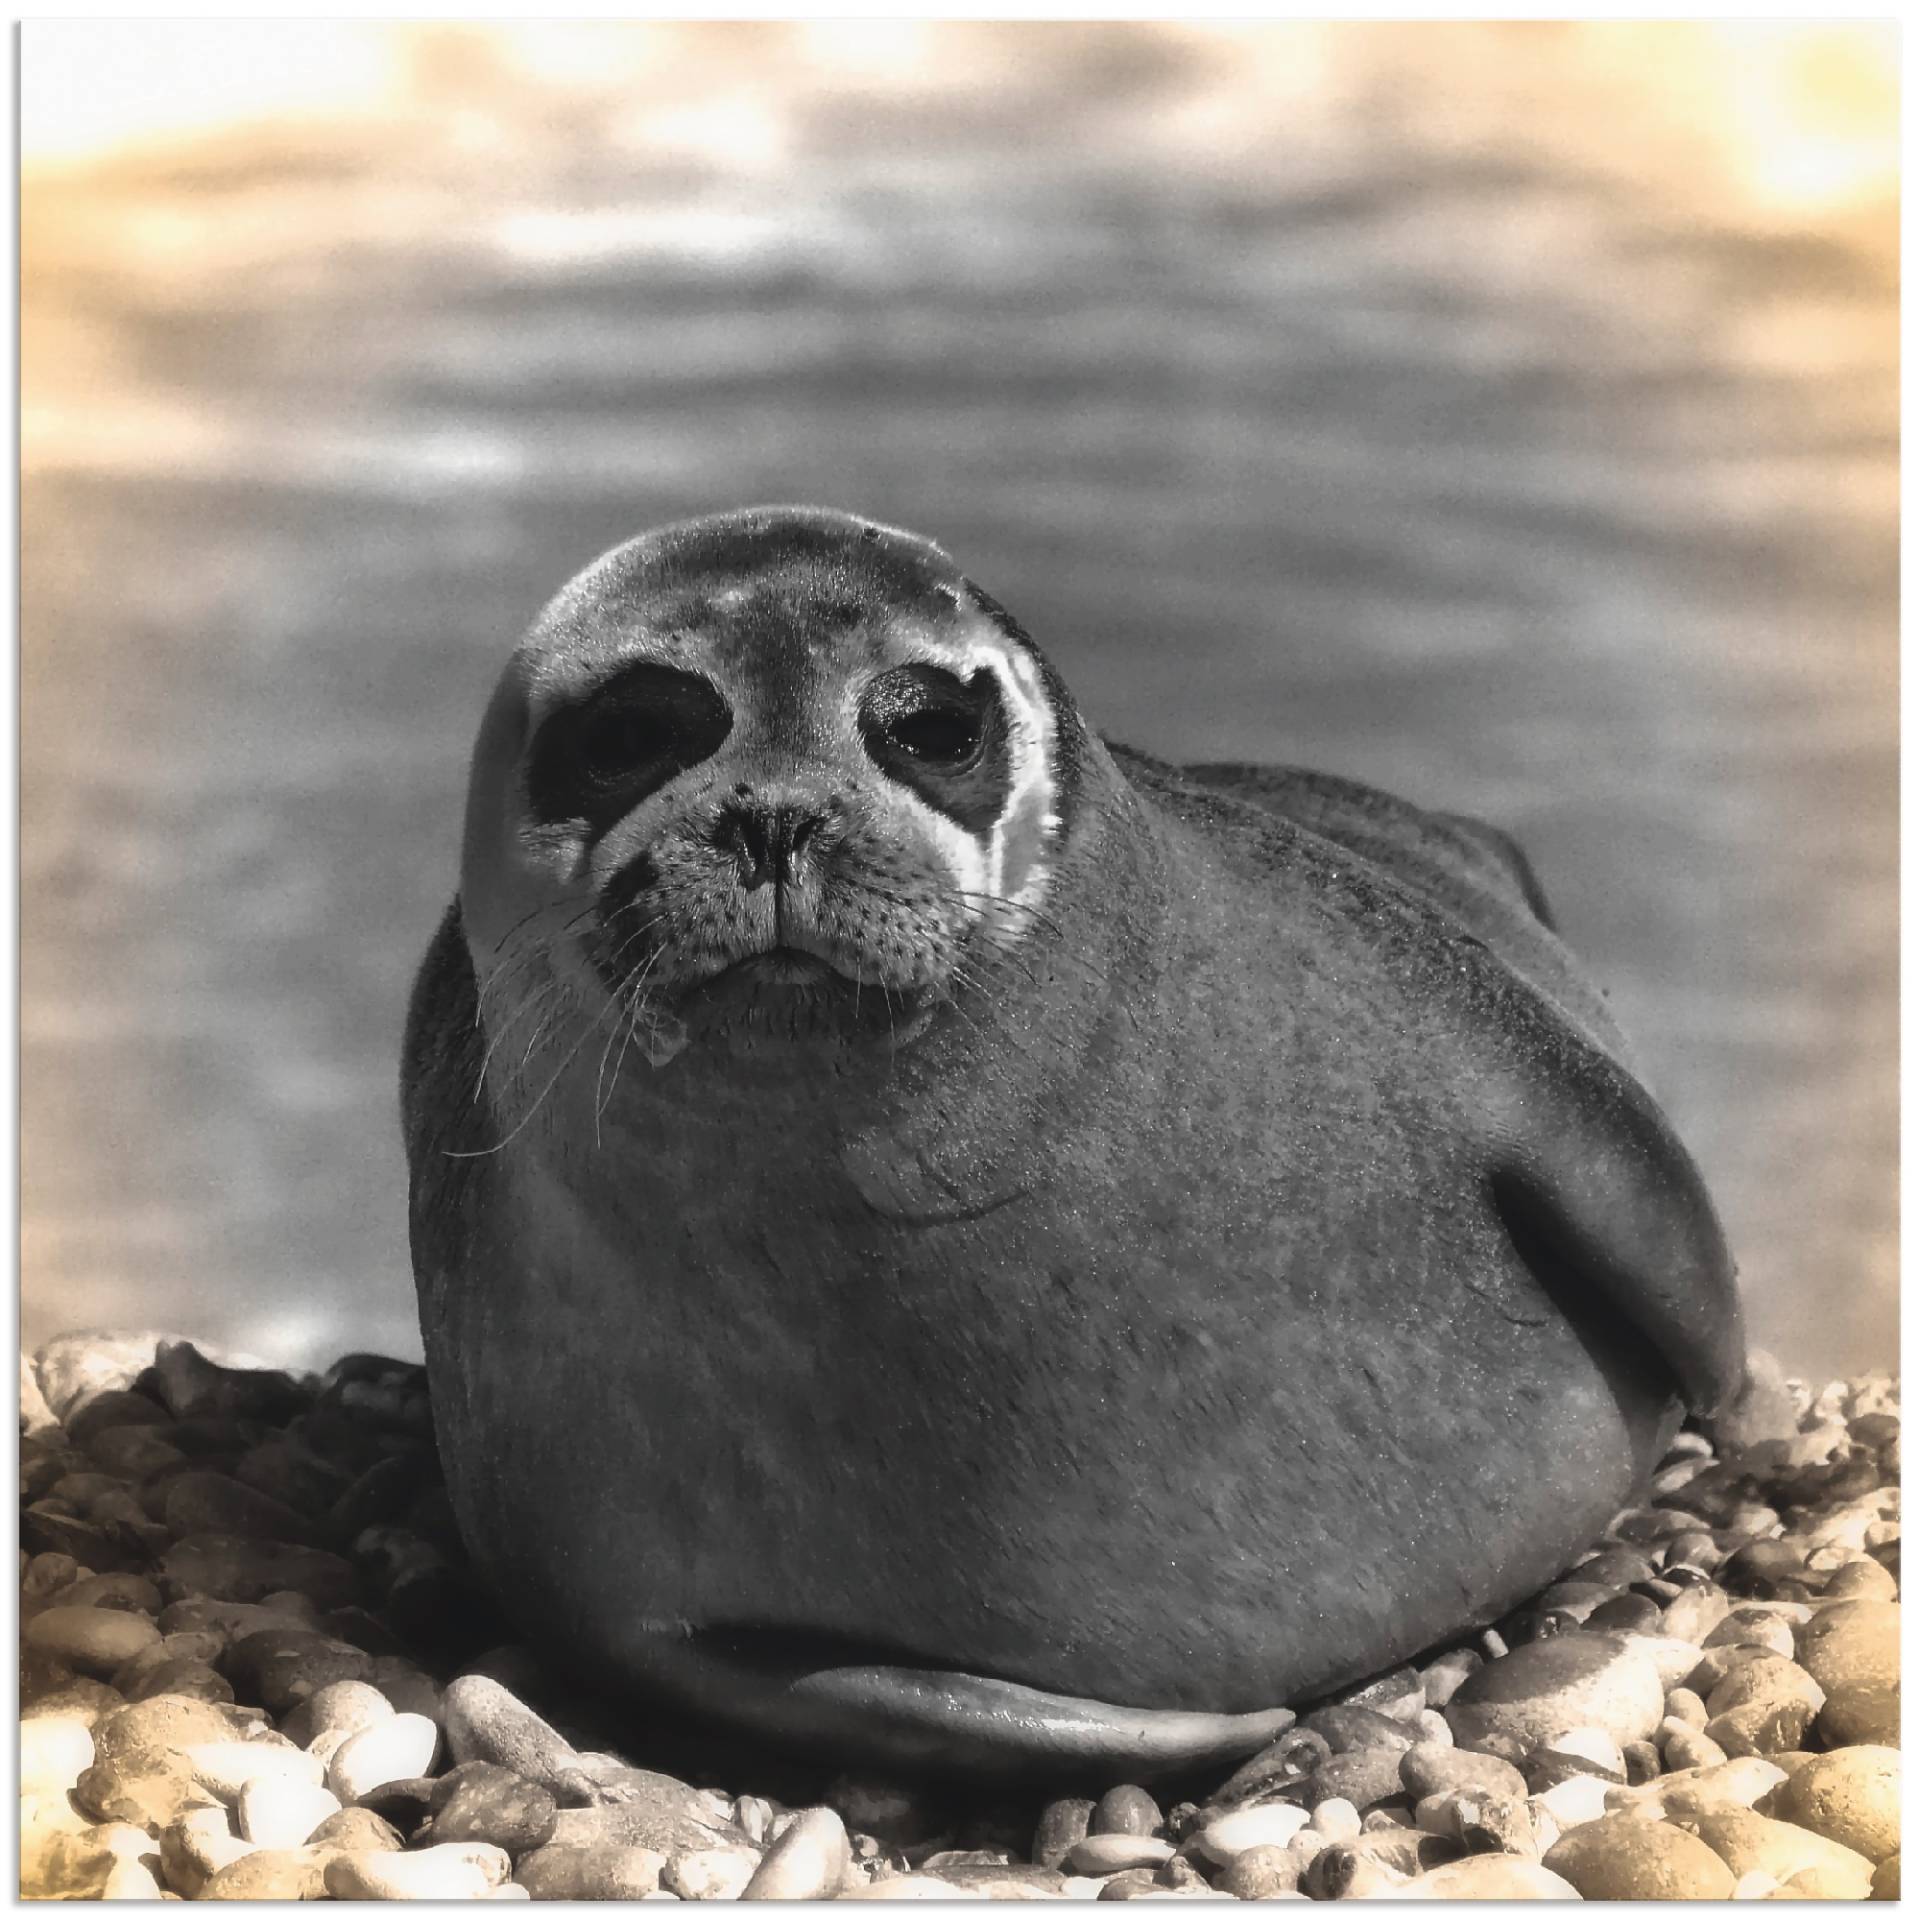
x: 1502, y: 414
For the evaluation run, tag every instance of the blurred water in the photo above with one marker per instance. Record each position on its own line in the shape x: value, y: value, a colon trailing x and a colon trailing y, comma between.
x: 1429, y: 405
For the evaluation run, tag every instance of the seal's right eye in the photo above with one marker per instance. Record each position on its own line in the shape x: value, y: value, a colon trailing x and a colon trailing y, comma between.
x: 599, y: 759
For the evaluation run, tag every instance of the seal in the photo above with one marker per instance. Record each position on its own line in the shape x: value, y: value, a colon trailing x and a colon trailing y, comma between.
x: 946, y: 1241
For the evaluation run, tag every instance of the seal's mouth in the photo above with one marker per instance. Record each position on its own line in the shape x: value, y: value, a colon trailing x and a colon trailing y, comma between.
x: 780, y: 966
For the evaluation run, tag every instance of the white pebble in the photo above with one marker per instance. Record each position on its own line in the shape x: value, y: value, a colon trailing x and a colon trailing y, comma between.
x: 710, y: 1873
x: 1574, y: 1802
x: 225, y: 1767
x: 281, y: 1813
x: 1273, y: 1825
x: 55, y: 1750
x: 1338, y: 1819
x: 1590, y: 1743
x: 453, y: 1872
x: 401, y: 1748
x: 1433, y: 1727
x: 807, y: 1862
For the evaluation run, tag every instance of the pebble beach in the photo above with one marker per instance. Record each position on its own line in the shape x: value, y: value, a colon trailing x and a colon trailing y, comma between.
x: 254, y: 1665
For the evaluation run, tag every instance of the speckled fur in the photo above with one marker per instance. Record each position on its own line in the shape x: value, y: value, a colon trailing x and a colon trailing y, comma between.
x: 1268, y: 1267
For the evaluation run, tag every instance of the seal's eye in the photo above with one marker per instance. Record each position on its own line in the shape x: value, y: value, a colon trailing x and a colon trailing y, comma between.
x: 599, y: 759
x: 942, y: 737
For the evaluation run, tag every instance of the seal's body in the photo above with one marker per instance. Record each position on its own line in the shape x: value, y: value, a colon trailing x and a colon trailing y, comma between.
x: 950, y: 1241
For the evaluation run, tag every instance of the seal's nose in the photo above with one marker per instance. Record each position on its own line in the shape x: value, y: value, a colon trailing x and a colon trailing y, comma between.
x: 766, y: 837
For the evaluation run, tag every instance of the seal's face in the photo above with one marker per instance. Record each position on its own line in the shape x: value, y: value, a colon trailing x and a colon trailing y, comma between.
x: 764, y: 778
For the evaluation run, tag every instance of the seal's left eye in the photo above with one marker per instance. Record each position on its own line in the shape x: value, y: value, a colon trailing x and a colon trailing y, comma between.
x: 936, y: 735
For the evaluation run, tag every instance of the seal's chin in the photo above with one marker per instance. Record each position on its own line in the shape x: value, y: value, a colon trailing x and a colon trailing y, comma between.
x: 787, y: 998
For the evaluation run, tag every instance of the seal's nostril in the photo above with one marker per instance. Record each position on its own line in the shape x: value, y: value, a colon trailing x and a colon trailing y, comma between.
x: 765, y: 839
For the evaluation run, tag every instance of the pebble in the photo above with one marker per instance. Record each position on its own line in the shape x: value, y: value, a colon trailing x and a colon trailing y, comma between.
x: 591, y: 1873
x: 1260, y: 1873
x: 1487, y: 1876
x: 129, y: 1592
x: 1549, y: 1687
x: 715, y: 1873
x: 1850, y: 1796
x: 226, y: 1768
x: 1429, y: 1768
x: 283, y: 1666
x: 283, y: 1813
x: 232, y: 1567
x: 196, y: 1847
x: 1231, y: 1834
x: 1116, y: 1852
x: 1336, y: 1818
x: 1886, y: 1878
x: 1622, y: 1857
x: 1852, y: 1649
x: 1749, y: 1842
x: 1062, y: 1824
x: 95, y: 1640
x: 1444, y: 1676
x: 1357, y: 1729
x: 1342, y: 1872
x: 357, y: 1830
x: 401, y: 1747
x: 1126, y: 1809
x: 55, y: 1750
x: 344, y: 1707
x: 273, y: 1873
x: 1365, y: 1777
x: 479, y: 1801
x: 1685, y: 1749
x: 810, y: 1860
x: 1576, y: 1801
x: 1764, y: 1706
x: 434, y: 1873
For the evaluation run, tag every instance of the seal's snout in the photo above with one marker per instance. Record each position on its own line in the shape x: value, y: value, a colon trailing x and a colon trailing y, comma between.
x: 767, y: 837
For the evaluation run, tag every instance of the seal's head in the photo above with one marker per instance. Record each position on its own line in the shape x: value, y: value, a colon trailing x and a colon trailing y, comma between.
x: 774, y: 775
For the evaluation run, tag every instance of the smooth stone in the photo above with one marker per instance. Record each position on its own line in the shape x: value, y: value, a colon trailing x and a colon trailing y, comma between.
x: 1853, y: 1650
x: 1550, y: 1686
x: 168, y: 1721
x: 1749, y: 1627
x: 226, y: 1768
x: 1342, y: 1872
x: 1062, y: 1824
x: 130, y: 1879
x: 1131, y: 1883
x: 1886, y: 1879
x: 345, y: 1707
x: 1642, y: 1761
x: 1686, y: 1750
x: 1358, y: 1729
x: 810, y: 1860
x: 1624, y: 1613
x: 222, y: 1566
x: 203, y: 1502
x: 1674, y: 1659
x: 357, y: 1830
x: 1259, y: 1873
x: 55, y: 1750
x: 1680, y: 1796
x: 73, y: 1698
x: 1751, y: 1843
x: 591, y: 1873
x: 193, y: 1679
x: 1574, y: 1802
x: 667, y: 1817
x: 1117, y: 1852
x: 1622, y: 1857
x: 479, y: 1801
x: 1444, y: 1675
x: 399, y: 1748
x: 1594, y: 1744
x: 1763, y: 1707
x: 1487, y: 1876
x: 1126, y: 1809
x: 197, y: 1846
x: 1850, y: 1796
x: 273, y: 1873
x: 1695, y: 1614
x: 711, y: 1873
x: 48, y: 1574
x: 133, y: 1453
x: 128, y: 1592
x: 1229, y: 1835
x: 1686, y: 1706
x: 1862, y: 1580
x: 1365, y: 1777
x: 1338, y: 1819
x: 94, y: 1640
x: 283, y: 1667
x: 460, y: 1872
x: 114, y: 1407
x: 283, y: 1813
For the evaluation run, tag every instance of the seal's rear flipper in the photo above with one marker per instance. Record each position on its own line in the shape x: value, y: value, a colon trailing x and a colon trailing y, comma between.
x: 1608, y: 1209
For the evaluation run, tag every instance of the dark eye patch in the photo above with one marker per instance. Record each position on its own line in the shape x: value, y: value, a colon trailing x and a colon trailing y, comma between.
x: 597, y: 760
x: 942, y: 737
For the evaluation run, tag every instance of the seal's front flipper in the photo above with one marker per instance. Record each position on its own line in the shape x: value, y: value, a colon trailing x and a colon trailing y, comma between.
x: 1609, y: 1211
